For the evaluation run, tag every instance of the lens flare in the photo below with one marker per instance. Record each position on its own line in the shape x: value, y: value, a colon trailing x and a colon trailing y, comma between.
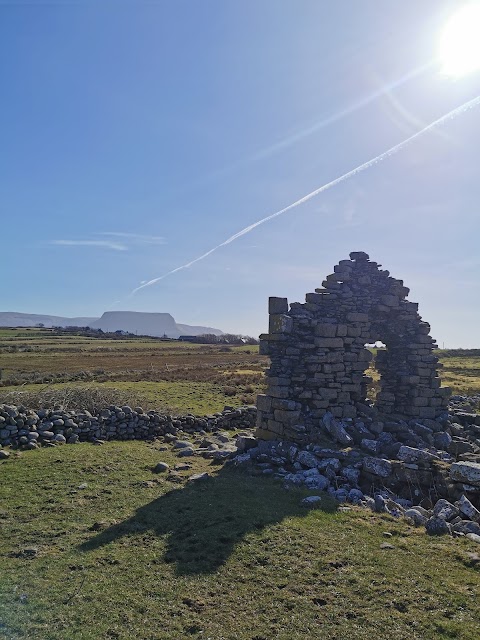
x: 460, y: 42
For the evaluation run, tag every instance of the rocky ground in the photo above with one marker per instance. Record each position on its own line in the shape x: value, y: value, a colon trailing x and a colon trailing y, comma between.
x: 427, y: 471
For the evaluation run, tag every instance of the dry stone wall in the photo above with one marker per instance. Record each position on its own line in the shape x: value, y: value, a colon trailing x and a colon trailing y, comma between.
x: 319, y: 358
x: 29, y: 429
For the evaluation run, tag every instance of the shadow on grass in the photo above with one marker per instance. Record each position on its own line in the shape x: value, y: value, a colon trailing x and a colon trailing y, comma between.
x: 205, y: 519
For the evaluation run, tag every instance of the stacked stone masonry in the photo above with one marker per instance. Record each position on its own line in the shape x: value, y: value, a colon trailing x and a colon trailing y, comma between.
x: 319, y: 358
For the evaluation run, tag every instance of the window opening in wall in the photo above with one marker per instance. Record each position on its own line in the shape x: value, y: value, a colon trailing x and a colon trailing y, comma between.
x: 374, y: 384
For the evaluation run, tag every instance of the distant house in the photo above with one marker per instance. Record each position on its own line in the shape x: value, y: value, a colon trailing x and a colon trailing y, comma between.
x: 189, y: 339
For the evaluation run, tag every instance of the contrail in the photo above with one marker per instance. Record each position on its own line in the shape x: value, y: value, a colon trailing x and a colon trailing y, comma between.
x: 307, y: 131
x: 366, y: 165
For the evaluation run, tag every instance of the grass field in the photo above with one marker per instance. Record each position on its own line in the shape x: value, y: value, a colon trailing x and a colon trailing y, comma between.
x: 179, y: 377
x: 94, y: 545
x: 171, y: 376
x: 132, y: 555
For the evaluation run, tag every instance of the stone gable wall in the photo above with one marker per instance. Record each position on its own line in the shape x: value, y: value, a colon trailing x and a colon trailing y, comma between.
x: 318, y: 354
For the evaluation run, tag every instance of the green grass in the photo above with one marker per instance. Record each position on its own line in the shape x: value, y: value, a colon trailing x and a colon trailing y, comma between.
x: 180, y: 397
x: 134, y: 555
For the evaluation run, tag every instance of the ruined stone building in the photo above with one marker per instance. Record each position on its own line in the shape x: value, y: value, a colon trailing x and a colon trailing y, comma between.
x: 319, y: 358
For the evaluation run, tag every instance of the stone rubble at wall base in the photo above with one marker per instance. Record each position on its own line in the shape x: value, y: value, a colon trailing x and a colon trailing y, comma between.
x: 407, y: 475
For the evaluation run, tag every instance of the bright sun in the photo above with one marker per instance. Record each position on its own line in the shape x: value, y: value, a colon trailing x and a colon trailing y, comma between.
x: 460, y: 42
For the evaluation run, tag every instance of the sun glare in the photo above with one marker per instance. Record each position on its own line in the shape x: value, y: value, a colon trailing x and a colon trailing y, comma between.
x: 460, y: 42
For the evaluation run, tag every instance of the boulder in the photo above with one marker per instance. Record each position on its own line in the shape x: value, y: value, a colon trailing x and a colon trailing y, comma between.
x: 307, y: 459
x: 466, y: 472
x: 445, y: 510
x: 437, y: 526
x: 467, y: 508
x: 474, y: 537
x: 410, y: 454
x: 417, y: 518
x: 337, y: 430
x: 161, y: 467
x: 378, y: 467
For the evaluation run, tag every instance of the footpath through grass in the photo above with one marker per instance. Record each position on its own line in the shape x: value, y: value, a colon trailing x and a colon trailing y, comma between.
x: 94, y: 545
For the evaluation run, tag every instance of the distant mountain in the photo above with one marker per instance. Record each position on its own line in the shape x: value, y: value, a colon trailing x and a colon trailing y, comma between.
x: 149, y: 324
x: 190, y: 330
x: 14, y: 319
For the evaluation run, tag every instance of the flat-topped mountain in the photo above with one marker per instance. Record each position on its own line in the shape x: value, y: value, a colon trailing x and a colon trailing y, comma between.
x: 142, y: 323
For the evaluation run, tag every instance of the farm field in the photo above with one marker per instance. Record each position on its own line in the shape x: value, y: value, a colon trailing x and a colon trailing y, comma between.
x: 172, y: 376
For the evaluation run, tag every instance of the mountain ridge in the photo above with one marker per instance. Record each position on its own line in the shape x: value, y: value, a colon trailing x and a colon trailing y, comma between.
x: 141, y: 322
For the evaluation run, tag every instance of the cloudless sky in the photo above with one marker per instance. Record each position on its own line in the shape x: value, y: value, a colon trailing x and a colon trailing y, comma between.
x: 135, y: 136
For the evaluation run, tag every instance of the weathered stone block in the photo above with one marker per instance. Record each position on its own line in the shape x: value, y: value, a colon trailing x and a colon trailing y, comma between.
x: 357, y: 317
x: 467, y: 472
x: 277, y: 305
x: 286, y: 417
x: 329, y: 343
x: 378, y: 467
x: 278, y: 392
x: 264, y: 402
x: 359, y: 256
x: 325, y: 330
x: 275, y: 427
x: 264, y: 434
x: 280, y: 323
x: 389, y: 301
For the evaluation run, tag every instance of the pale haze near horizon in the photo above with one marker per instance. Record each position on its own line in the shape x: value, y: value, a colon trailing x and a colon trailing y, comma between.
x: 137, y: 137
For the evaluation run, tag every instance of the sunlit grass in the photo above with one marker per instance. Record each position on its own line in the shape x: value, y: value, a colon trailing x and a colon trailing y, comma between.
x: 132, y: 555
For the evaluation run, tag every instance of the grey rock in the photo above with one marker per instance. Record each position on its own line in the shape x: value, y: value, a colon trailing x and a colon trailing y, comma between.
x: 197, y: 477
x: 341, y: 495
x: 59, y: 439
x: 467, y: 508
x: 411, y: 454
x: 182, y: 444
x: 307, y: 459
x: 371, y: 446
x: 4, y: 455
x: 417, y: 518
x: 378, y: 467
x: 442, y: 440
x: 244, y: 443
x: 185, y: 452
x: 182, y: 467
x: 474, y: 537
x: 317, y: 482
x: 466, y: 472
x: 309, y: 500
x: 330, y: 464
x: 437, y: 526
x: 380, y: 504
x: 351, y: 474
x: 161, y: 467
x: 355, y: 496
x: 337, y: 430
x: 445, y: 510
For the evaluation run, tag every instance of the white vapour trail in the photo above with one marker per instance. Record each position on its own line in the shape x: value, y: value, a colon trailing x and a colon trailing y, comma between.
x: 366, y: 165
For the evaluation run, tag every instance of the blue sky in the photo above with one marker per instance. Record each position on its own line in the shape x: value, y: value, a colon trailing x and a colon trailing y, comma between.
x: 136, y: 136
